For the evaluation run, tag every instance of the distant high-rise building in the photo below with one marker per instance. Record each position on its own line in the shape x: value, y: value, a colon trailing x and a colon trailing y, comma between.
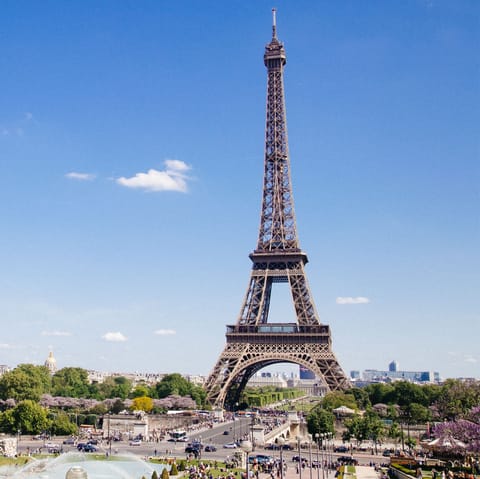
x: 355, y: 374
x: 393, y: 366
x: 305, y: 373
x: 51, y: 363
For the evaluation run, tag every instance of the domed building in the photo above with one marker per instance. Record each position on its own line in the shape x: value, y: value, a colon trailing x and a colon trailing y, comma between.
x: 51, y: 363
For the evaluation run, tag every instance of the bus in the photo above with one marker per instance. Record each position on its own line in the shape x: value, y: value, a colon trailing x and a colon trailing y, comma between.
x: 178, y: 435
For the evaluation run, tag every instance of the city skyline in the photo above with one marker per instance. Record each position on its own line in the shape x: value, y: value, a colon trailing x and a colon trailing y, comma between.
x: 131, y: 148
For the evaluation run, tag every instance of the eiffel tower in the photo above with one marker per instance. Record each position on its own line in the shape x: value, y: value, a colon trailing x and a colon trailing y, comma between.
x: 253, y: 342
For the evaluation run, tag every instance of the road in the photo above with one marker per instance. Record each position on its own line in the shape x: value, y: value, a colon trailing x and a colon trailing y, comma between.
x: 215, y: 436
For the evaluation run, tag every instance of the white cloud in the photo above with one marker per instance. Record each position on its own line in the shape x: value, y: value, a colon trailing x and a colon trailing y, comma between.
x: 56, y: 333
x: 165, y: 332
x: 5, y: 346
x: 170, y: 179
x: 470, y: 359
x: 114, y: 337
x: 350, y: 300
x: 73, y: 175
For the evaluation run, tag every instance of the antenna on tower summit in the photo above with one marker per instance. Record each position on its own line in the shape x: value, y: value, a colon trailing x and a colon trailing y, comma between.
x: 274, y: 23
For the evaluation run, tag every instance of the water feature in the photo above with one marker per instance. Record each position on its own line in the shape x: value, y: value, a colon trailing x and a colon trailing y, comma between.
x: 126, y: 466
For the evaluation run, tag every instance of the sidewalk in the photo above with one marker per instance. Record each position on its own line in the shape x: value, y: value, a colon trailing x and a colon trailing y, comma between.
x: 362, y: 472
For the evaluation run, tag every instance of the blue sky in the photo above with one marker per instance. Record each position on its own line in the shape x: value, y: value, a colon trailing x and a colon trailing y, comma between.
x: 131, y: 162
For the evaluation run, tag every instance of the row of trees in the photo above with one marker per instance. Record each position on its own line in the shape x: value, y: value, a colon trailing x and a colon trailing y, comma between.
x: 263, y: 396
x: 31, y: 382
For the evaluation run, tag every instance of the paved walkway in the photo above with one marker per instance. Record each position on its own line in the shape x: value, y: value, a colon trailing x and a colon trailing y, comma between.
x: 362, y: 472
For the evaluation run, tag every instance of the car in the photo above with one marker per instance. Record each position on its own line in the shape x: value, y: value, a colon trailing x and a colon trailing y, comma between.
x: 69, y: 440
x: 192, y: 450
x: 135, y: 442
x: 226, y: 433
x: 260, y: 459
x: 196, y: 444
x: 297, y: 459
x: 386, y: 453
x: 340, y: 449
x: 210, y: 448
x: 230, y: 445
x: 81, y: 445
x: 92, y: 441
x: 90, y: 448
x: 51, y: 445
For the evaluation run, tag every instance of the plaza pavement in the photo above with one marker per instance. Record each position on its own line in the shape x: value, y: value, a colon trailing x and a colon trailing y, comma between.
x: 362, y: 472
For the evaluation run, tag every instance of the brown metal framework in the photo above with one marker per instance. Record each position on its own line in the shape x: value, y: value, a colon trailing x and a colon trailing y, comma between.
x: 253, y: 342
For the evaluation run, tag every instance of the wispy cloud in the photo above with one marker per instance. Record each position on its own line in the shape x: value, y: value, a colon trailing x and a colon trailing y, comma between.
x: 470, y: 359
x: 114, y: 337
x: 173, y: 178
x: 351, y: 300
x: 73, y: 175
x: 165, y: 332
x: 5, y: 346
x: 56, y: 333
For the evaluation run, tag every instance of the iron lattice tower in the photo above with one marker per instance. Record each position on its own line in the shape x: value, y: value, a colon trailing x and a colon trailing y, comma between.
x: 253, y: 342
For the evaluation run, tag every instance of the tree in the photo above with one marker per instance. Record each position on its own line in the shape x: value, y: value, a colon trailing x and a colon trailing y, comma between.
x: 320, y: 421
x: 71, y: 382
x: 370, y: 426
x: 361, y: 397
x: 141, y: 390
x: 26, y: 381
x: 27, y: 417
x: 173, y: 384
x: 165, y: 474
x: 176, y: 385
x: 62, y: 426
x: 456, y: 398
x: 380, y: 393
x: 142, y: 404
x: 174, y: 470
x: 336, y: 399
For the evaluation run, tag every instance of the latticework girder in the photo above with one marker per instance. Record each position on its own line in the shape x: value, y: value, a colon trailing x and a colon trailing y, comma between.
x: 251, y: 344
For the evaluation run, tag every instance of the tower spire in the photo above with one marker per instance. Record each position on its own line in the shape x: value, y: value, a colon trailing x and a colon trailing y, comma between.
x: 274, y: 23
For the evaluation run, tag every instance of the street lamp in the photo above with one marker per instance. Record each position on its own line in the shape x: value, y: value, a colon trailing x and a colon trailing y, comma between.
x: 310, y: 456
x: 109, y: 438
x: 317, y: 440
x: 324, y: 455
x: 300, y: 464
x: 247, y: 447
x: 280, y: 442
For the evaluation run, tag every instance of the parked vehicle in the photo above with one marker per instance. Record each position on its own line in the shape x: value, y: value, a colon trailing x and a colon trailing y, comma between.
x: 210, y: 448
x: 340, y: 449
x: 135, y: 442
x: 230, y: 445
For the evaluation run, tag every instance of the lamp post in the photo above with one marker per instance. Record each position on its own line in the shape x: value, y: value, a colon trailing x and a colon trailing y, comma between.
x: 280, y: 442
x: 310, y: 456
x: 246, y: 447
x: 317, y: 440
x: 109, y: 438
x: 299, y: 459
x: 322, y: 437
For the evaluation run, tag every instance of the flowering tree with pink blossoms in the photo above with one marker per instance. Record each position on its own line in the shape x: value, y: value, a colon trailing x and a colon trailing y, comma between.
x: 465, y: 430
